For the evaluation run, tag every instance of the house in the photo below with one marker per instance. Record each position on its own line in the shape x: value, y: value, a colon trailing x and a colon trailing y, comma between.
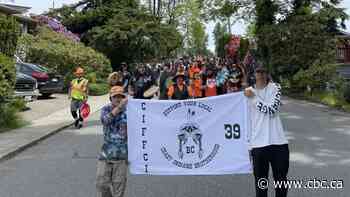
x: 343, y: 54
x: 343, y: 47
x: 19, y: 12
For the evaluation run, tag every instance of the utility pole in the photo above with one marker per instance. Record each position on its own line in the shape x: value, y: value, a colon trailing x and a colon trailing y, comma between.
x: 53, y: 4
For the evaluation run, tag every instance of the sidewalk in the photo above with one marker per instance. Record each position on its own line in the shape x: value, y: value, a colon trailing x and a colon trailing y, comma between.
x: 15, y: 141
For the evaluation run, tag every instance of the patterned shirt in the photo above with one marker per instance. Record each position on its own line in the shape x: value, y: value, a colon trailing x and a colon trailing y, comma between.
x: 114, y: 134
x: 221, y: 76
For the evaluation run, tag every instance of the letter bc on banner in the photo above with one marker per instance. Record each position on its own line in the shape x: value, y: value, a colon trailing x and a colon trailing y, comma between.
x: 192, y: 137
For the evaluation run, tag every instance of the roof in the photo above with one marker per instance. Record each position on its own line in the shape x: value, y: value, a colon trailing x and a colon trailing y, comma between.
x: 8, y: 10
x: 13, y: 8
x: 343, y: 34
x: 25, y: 19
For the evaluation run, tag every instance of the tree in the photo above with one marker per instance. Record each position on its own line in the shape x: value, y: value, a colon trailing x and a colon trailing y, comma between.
x: 191, y: 24
x: 221, y: 37
x: 121, y: 29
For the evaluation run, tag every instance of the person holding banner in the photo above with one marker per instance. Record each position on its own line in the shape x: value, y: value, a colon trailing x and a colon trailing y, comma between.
x: 112, y: 163
x: 268, y: 142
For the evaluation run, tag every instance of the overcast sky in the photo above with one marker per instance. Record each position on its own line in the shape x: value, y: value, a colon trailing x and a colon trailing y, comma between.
x: 39, y: 6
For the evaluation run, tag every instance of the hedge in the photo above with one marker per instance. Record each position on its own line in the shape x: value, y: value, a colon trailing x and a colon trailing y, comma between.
x: 98, y: 89
x: 9, y: 33
x: 63, y: 55
x: 7, y: 77
x: 8, y: 106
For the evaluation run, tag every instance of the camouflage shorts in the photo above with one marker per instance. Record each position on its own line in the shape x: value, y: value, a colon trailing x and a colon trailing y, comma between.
x: 111, y: 178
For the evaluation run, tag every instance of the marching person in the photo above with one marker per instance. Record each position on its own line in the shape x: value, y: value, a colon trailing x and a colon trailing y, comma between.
x: 78, y: 93
x: 141, y: 82
x: 196, y: 84
x: 115, y: 79
x: 221, y: 77
x: 179, y: 90
x: 165, y: 77
x: 267, y: 138
x: 112, y: 163
x: 210, y: 83
x: 235, y: 80
x: 126, y: 76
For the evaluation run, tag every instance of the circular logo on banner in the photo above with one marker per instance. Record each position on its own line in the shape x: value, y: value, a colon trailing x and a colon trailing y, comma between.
x: 189, y: 137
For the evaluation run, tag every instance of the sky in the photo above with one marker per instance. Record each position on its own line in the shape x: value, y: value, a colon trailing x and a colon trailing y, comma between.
x: 39, y: 6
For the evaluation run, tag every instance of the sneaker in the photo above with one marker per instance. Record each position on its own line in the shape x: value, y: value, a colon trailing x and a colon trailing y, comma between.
x: 80, y: 125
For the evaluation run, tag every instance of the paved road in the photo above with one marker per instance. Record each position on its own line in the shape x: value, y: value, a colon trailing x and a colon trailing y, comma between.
x: 64, y: 165
x: 45, y: 106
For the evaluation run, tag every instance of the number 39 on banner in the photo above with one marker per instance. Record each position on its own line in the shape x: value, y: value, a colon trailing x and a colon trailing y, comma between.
x: 232, y: 131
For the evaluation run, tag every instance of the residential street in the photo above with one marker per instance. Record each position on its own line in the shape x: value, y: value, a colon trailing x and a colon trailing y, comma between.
x: 64, y: 165
x: 45, y: 106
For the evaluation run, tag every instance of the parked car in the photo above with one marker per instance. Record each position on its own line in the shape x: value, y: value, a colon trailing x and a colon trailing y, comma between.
x: 48, y: 82
x: 26, y: 87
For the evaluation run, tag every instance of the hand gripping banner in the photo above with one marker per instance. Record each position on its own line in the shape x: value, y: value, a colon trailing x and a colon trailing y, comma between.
x: 192, y: 137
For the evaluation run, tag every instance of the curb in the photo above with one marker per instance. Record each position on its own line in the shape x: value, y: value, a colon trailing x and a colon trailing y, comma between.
x: 18, y: 150
x: 13, y: 153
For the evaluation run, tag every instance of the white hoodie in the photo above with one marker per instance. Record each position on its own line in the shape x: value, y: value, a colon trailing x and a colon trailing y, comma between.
x: 266, y: 126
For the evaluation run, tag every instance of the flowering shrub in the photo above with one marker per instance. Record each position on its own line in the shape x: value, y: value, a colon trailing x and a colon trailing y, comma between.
x: 56, y: 26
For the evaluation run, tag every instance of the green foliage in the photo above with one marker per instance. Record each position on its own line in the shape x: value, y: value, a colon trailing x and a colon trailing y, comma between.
x: 19, y: 104
x: 221, y: 37
x: 98, y: 89
x: 7, y: 77
x: 243, y: 48
x: 199, y: 39
x: 92, y: 77
x: 347, y: 93
x: 9, y: 118
x: 192, y: 27
x: 122, y: 30
x: 9, y: 33
x: 315, y: 77
x: 8, y: 106
x: 127, y: 38
x: 296, y: 44
x: 53, y: 50
x: 224, y: 9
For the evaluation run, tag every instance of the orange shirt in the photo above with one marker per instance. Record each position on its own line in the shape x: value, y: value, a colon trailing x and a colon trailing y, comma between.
x: 210, y: 90
x: 196, y: 88
x: 171, y: 90
x: 192, y: 70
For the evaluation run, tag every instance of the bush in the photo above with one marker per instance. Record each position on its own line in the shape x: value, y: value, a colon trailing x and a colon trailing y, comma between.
x: 9, y: 118
x: 7, y: 77
x: 19, y: 104
x: 9, y: 33
x: 316, y: 77
x: 347, y: 93
x: 55, y: 51
x: 9, y: 107
x: 98, y: 89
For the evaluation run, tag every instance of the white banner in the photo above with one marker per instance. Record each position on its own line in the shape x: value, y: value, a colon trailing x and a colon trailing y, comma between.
x: 193, y: 137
